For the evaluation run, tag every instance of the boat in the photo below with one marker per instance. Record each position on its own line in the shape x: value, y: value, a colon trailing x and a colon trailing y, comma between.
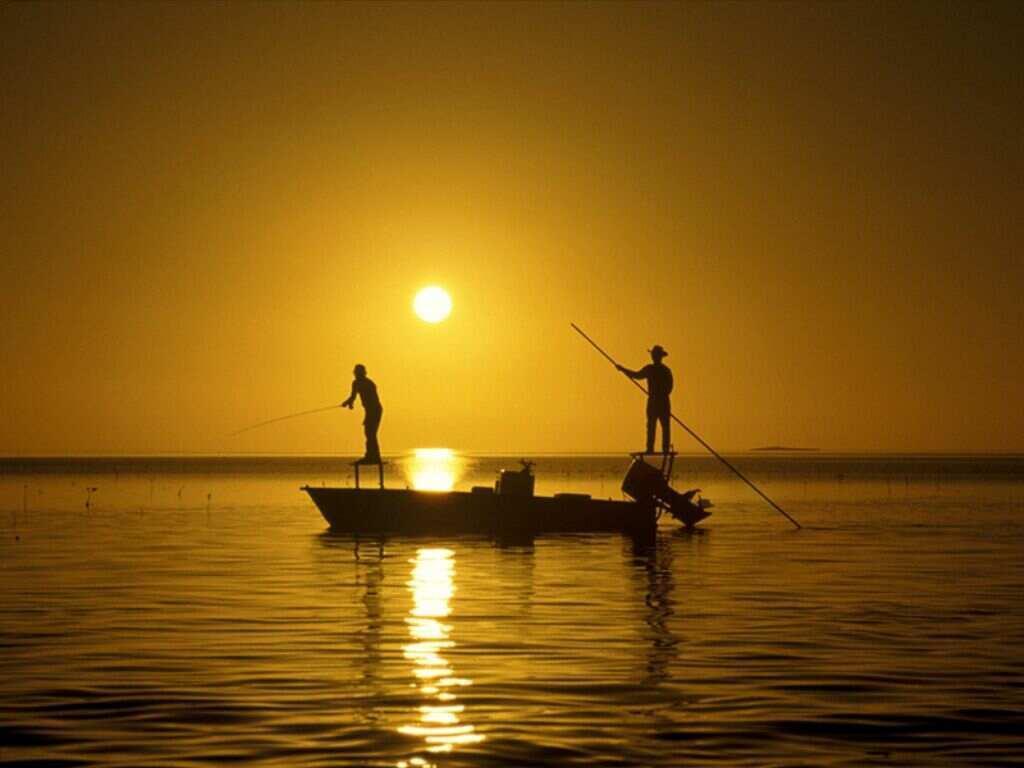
x: 510, y: 507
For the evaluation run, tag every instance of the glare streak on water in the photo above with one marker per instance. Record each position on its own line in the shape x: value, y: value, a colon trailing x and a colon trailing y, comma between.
x: 190, y: 617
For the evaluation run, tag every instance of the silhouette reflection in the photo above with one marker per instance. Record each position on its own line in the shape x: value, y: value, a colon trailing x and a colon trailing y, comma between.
x: 656, y: 582
x: 660, y: 602
x: 369, y: 578
x: 440, y: 726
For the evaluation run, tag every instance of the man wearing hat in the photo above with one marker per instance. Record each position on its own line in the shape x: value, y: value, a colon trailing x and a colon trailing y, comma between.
x: 659, y: 387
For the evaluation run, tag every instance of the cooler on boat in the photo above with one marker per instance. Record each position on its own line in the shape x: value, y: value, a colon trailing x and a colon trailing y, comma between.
x: 515, y: 482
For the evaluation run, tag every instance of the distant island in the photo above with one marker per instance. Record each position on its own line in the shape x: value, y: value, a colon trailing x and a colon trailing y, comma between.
x: 782, y: 448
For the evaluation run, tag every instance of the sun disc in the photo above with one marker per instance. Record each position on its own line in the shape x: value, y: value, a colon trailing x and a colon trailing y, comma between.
x: 432, y: 304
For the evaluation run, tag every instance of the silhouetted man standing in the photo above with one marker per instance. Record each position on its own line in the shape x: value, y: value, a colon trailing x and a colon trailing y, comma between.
x: 659, y: 387
x: 367, y: 392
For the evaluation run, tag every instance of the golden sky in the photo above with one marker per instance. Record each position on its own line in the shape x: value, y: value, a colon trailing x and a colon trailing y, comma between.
x: 211, y: 212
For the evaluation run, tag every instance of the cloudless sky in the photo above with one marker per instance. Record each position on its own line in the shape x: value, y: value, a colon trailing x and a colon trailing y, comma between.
x: 210, y: 212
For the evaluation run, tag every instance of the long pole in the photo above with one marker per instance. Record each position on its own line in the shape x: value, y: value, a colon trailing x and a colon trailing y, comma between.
x: 282, y: 418
x: 692, y: 434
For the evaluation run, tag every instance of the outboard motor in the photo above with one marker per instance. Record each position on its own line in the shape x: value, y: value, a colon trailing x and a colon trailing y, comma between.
x: 516, y: 482
x: 648, y: 485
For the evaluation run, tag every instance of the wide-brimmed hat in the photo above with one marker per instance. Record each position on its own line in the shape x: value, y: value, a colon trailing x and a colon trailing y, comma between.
x: 658, y: 350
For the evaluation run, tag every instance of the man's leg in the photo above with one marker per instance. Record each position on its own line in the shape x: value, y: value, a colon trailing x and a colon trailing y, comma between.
x: 370, y: 426
x: 651, y: 422
x: 666, y: 432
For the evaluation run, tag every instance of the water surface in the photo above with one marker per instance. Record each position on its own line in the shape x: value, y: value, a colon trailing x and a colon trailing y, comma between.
x: 198, y: 612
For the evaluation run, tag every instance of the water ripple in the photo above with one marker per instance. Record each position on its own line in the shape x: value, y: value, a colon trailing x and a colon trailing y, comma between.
x: 886, y: 633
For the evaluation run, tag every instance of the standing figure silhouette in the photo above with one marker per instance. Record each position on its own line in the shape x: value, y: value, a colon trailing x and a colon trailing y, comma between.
x: 364, y: 387
x: 659, y: 387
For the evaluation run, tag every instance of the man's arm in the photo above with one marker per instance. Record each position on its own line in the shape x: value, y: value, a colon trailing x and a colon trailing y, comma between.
x: 351, y: 397
x: 631, y: 374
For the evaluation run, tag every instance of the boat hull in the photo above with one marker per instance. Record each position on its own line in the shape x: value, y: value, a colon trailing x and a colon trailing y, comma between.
x: 387, y: 511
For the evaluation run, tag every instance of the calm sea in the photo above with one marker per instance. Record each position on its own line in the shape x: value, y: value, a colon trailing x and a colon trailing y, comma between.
x: 195, y: 611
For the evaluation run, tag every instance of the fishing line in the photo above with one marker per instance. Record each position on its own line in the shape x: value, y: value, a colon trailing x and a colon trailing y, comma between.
x: 283, y: 418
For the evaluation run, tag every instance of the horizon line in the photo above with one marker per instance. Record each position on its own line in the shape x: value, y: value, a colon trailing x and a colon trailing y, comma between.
x: 802, y: 452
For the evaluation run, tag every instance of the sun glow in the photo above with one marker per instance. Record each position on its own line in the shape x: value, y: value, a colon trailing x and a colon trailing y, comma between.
x: 432, y: 304
x: 434, y: 469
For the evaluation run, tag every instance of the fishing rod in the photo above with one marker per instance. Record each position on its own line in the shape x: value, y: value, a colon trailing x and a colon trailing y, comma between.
x: 692, y: 434
x: 282, y: 418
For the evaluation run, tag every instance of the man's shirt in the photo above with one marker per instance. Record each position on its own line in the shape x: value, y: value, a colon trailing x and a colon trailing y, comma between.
x: 659, y: 381
x: 367, y: 392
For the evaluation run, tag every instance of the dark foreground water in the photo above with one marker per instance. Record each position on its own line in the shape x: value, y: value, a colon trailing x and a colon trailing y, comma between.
x: 197, y: 612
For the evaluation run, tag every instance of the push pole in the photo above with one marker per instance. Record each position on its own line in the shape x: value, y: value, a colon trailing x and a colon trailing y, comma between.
x: 692, y: 434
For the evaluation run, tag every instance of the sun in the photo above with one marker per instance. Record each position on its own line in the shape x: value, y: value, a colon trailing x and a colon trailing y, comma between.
x: 432, y: 304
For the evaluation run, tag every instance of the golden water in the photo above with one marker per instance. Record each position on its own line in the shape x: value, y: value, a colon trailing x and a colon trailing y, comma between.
x: 193, y: 617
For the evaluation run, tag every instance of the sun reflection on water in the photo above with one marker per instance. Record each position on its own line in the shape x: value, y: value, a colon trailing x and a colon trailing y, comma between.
x: 434, y: 469
x: 439, y: 724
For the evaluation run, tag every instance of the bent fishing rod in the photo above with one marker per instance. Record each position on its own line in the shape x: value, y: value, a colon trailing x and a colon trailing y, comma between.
x: 282, y: 418
x: 692, y: 434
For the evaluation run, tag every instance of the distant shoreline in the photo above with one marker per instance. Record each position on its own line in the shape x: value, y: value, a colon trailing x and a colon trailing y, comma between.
x: 14, y: 465
x: 11, y: 458
x: 785, y: 448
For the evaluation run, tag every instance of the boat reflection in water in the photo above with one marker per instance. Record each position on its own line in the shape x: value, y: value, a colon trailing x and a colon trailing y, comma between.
x: 434, y: 469
x: 432, y: 586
